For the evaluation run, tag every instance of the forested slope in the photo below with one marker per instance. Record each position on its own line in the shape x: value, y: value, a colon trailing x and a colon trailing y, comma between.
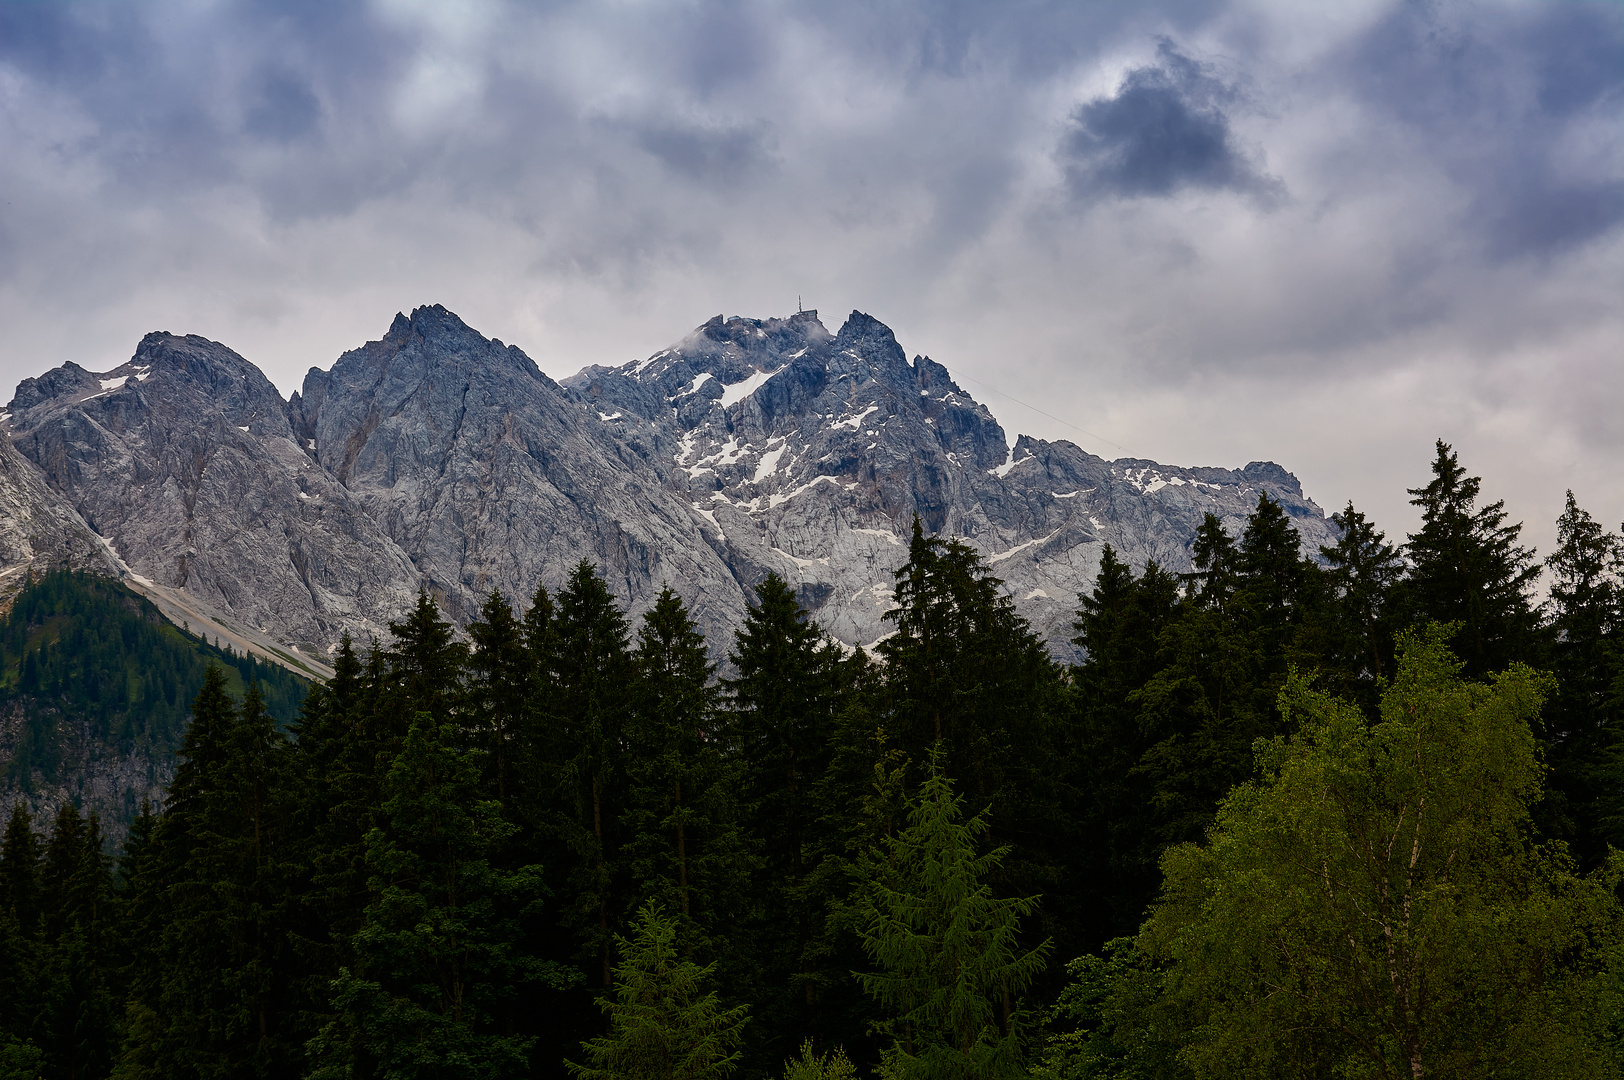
x: 95, y: 688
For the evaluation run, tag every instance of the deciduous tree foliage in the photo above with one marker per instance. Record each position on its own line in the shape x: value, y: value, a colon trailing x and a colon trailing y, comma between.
x: 1374, y: 905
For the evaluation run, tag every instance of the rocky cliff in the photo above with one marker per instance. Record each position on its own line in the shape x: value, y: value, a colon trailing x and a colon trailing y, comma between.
x: 39, y: 529
x: 437, y: 458
x: 185, y: 460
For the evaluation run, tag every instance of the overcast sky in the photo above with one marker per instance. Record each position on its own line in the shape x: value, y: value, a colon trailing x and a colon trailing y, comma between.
x: 1201, y: 231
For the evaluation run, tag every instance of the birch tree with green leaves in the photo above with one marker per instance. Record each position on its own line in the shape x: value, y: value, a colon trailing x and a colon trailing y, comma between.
x: 1376, y: 904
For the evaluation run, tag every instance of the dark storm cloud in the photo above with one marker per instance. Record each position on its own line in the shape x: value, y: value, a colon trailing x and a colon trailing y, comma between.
x: 1163, y: 131
x: 1502, y: 99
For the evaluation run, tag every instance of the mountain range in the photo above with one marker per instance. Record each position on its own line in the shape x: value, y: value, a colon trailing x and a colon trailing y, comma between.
x: 437, y: 459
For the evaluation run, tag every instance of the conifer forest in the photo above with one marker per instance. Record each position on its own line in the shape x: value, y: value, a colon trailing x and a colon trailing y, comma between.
x: 1345, y: 813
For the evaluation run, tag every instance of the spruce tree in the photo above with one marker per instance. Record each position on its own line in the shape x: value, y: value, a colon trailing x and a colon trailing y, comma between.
x: 588, y: 708
x: 1214, y: 560
x: 20, y: 868
x: 967, y: 676
x: 1466, y: 567
x: 1114, y: 872
x: 437, y: 955
x: 344, y: 745
x: 501, y: 684
x: 965, y: 670
x: 685, y: 847
x: 76, y: 1011
x: 426, y: 664
x: 664, y: 1023
x: 60, y: 869
x: 782, y: 702
x: 833, y: 1065
x: 952, y: 971
x: 1581, y: 720
x: 541, y: 637
x: 1223, y: 662
x: 24, y: 980
x: 1276, y: 583
x: 213, y: 994
x: 859, y: 801
x: 1364, y: 571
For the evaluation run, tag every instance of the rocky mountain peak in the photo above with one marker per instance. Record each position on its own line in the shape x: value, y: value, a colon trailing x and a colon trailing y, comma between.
x: 69, y: 379
x: 437, y: 458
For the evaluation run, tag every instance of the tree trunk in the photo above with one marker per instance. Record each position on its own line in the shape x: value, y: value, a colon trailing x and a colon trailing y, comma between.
x: 682, y: 853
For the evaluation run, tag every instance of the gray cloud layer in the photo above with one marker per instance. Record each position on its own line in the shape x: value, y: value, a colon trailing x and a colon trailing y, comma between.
x: 1163, y: 131
x: 1207, y: 231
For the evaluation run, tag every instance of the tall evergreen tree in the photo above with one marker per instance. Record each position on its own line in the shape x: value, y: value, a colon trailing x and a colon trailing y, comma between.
x: 1581, y: 719
x: 783, y: 702
x: 1466, y: 567
x: 343, y: 748
x: 1214, y: 566
x: 426, y: 664
x: 663, y: 1022
x: 592, y: 683
x: 75, y: 1029
x: 1223, y: 661
x: 967, y: 676
x: 437, y: 954
x: 1114, y: 871
x: 966, y: 671
x: 1364, y: 570
x: 685, y: 845
x: 215, y: 994
x: 501, y: 685
x: 1277, y: 584
x: 859, y: 801
x: 24, y: 977
x: 952, y: 972
x: 20, y: 868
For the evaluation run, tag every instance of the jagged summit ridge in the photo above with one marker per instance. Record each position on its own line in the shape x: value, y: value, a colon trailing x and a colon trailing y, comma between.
x: 809, y: 453
x: 436, y: 458
x: 490, y: 476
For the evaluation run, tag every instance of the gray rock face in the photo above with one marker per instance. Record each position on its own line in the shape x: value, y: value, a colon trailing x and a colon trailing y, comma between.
x: 438, y: 458
x: 809, y: 453
x: 39, y: 530
x: 185, y: 460
x: 489, y: 476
